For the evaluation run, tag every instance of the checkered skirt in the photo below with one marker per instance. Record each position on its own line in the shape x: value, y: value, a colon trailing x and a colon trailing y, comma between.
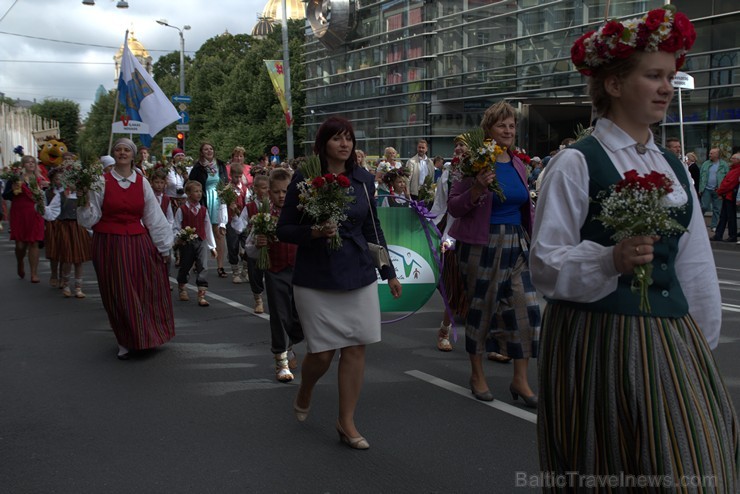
x: 504, y: 314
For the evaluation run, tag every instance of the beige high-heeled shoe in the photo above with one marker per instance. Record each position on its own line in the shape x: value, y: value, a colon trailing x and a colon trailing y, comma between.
x: 353, y: 442
x: 300, y: 413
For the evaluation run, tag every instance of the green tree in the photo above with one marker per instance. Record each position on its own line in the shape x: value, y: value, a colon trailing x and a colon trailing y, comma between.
x: 67, y: 113
x: 95, y: 134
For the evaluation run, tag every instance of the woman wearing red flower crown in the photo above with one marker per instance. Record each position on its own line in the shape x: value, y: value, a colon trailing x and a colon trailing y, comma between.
x: 335, y: 290
x: 622, y: 390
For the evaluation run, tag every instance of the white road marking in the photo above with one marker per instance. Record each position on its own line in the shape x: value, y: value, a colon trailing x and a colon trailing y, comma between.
x: 227, y: 301
x: 499, y: 405
x: 731, y: 308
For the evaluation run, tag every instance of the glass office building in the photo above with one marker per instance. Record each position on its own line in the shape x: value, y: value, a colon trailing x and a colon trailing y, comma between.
x: 411, y: 69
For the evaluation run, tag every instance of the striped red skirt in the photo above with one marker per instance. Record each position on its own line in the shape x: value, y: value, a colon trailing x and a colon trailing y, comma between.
x: 71, y: 241
x: 134, y: 288
x: 50, y: 247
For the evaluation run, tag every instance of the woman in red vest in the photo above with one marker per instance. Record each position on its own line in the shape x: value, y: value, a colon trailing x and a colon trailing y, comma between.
x: 131, y: 244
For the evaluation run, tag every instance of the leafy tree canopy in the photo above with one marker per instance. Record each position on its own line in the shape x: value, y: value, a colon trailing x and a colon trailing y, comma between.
x: 67, y: 113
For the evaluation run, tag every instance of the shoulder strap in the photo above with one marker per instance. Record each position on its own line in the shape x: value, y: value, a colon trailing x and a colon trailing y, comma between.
x: 372, y: 216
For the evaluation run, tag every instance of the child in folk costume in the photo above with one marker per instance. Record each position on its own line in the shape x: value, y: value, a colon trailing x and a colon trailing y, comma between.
x: 158, y: 182
x: 256, y: 275
x: 51, y: 248
x: 194, y: 215
x: 235, y: 240
x: 396, y: 180
x: 626, y: 388
x: 72, y: 242
x: 285, y: 328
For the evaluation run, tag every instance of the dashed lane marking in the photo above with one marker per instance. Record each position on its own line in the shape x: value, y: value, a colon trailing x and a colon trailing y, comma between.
x: 465, y: 392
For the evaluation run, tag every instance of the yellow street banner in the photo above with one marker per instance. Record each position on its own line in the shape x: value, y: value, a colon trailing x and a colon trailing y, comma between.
x: 275, y: 69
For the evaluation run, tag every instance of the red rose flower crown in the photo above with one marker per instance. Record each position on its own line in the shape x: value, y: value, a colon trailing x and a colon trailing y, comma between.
x: 663, y: 29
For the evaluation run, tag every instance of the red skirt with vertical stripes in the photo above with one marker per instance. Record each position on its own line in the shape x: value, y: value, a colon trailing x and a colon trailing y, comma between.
x: 72, y: 242
x: 134, y: 288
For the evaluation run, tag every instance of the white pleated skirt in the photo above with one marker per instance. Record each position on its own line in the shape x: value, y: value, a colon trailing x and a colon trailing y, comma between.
x: 334, y: 319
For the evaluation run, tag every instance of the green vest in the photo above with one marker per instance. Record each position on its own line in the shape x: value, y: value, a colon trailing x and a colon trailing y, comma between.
x: 665, y: 294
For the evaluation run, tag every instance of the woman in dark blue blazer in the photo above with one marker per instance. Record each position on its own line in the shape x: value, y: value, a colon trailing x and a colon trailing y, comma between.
x: 335, y: 291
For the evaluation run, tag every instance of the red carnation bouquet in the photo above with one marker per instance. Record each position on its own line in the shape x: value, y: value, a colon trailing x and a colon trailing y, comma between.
x: 324, y: 197
x: 636, y: 206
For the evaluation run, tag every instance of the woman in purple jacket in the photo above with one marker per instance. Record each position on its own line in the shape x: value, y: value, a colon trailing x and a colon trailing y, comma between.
x: 493, y: 249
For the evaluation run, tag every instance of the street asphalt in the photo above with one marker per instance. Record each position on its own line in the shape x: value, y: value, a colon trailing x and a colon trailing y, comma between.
x: 204, y: 414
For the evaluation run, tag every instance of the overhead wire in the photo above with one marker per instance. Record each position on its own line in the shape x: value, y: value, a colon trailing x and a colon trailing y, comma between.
x: 7, y: 11
x: 76, y: 42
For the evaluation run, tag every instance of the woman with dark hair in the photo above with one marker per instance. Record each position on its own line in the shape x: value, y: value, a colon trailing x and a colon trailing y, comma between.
x: 624, y: 391
x: 336, y: 291
x: 210, y: 172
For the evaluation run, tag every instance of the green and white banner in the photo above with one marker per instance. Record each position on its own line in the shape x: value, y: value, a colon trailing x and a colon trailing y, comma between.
x: 412, y: 258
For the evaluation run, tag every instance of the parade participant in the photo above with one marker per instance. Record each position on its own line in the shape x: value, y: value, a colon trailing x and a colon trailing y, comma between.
x: 210, y: 171
x: 158, y: 182
x: 625, y: 390
x: 71, y: 242
x: 130, y: 251
x: 420, y: 167
x: 397, y: 184
x: 235, y: 240
x: 237, y: 158
x: 492, y: 251
x: 176, y: 175
x: 285, y: 327
x: 143, y: 161
x: 26, y: 223
x: 727, y: 190
x: 194, y: 252
x: 337, y: 311
x: 450, y: 279
x: 260, y: 193
x: 51, y: 248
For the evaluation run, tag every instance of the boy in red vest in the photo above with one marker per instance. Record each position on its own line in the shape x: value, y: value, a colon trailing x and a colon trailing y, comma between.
x: 194, y: 215
x: 285, y: 328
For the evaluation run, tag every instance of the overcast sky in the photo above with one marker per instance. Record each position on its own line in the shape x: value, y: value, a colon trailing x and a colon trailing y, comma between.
x: 85, y: 39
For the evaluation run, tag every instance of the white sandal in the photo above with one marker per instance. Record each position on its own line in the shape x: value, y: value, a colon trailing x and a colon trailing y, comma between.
x: 443, y: 338
x: 282, y: 371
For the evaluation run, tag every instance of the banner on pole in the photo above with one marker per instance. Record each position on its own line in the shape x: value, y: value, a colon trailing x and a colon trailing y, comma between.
x: 275, y: 70
x: 412, y: 259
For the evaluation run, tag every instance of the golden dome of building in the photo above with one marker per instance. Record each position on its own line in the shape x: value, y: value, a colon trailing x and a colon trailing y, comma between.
x: 138, y: 50
x: 264, y: 26
x: 274, y: 10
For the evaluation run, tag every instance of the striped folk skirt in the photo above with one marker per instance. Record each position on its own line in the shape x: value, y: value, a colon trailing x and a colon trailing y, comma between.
x: 72, y: 242
x: 453, y: 284
x: 134, y: 288
x: 504, y: 313
x: 51, y: 251
x: 633, y: 397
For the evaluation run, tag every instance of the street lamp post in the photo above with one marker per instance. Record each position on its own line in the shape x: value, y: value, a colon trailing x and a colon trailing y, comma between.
x: 182, y: 51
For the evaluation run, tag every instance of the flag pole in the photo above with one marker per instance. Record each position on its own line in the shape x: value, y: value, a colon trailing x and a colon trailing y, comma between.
x: 115, y: 106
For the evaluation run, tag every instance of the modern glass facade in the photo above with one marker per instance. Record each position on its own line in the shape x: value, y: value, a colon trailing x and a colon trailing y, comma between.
x: 429, y: 68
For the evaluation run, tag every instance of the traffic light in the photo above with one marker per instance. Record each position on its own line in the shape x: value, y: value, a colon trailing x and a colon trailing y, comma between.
x: 181, y: 140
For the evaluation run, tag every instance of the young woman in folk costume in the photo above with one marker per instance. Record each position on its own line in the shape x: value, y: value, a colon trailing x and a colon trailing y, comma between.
x: 625, y: 390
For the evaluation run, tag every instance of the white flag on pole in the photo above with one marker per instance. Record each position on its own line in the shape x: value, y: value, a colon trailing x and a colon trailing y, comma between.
x: 140, y: 95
